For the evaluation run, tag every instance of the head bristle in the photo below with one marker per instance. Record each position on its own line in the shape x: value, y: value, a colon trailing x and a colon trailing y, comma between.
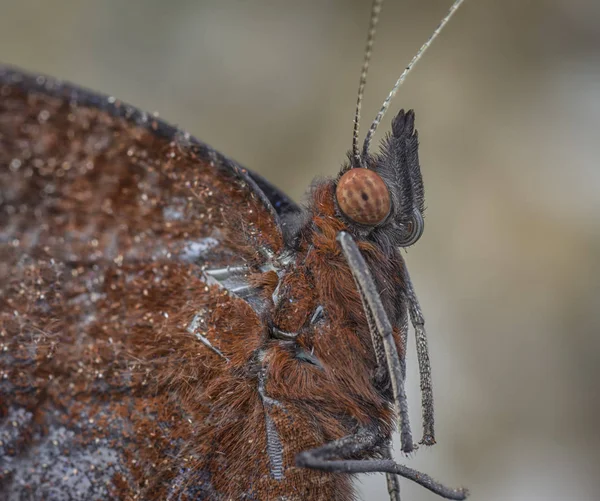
x: 403, y: 76
x: 375, y: 10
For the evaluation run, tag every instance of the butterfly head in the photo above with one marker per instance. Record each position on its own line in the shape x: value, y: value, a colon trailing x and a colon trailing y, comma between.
x: 382, y: 195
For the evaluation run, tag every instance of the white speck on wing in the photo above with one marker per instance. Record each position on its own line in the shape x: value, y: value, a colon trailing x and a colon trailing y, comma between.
x: 194, y: 250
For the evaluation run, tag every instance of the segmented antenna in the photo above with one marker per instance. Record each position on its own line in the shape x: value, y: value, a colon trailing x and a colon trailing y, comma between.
x: 400, y: 81
x: 375, y: 10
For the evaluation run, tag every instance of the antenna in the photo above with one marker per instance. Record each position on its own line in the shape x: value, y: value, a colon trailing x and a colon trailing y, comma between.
x: 375, y: 10
x: 400, y: 81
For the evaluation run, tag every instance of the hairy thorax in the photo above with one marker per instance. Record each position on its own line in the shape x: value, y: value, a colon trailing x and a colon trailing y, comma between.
x: 300, y: 373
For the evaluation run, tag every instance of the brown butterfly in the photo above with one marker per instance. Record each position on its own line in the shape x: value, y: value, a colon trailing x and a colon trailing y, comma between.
x: 172, y: 326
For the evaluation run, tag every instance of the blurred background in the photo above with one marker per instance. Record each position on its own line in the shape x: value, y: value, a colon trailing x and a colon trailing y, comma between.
x: 508, y: 110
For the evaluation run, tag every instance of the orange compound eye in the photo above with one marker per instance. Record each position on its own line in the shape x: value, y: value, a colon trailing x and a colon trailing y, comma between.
x: 363, y: 196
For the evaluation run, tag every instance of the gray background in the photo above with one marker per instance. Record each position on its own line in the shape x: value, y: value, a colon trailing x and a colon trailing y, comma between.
x: 508, y: 109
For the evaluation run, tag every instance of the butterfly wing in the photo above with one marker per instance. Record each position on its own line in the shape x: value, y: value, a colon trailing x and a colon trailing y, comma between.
x: 108, y: 219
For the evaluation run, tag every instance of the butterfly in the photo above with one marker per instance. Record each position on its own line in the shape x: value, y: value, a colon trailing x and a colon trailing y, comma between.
x: 173, y: 326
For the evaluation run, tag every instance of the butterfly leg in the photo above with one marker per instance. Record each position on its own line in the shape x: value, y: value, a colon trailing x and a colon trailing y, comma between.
x: 418, y: 322
x: 274, y: 445
x: 367, y: 439
x: 392, y: 480
x: 381, y: 331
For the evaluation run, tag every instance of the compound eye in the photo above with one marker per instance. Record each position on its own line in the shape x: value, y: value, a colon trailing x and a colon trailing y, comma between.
x: 414, y: 229
x: 363, y: 196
